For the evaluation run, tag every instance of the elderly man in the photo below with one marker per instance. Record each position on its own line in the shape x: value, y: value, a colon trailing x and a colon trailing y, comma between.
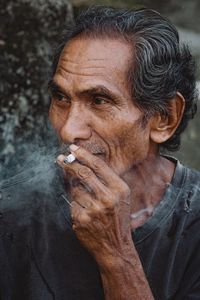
x: 122, y: 89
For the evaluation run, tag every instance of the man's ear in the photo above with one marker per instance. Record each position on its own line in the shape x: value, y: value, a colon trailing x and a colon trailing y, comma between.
x: 163, y: 127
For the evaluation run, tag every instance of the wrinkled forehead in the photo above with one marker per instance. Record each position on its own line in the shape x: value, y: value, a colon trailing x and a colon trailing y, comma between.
x: 113, y: 54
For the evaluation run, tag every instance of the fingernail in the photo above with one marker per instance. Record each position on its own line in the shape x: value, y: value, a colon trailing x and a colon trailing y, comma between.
x: 73, y: 147
x: 59, y: 159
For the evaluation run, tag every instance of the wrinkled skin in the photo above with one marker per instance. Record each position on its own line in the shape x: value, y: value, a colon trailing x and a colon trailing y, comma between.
x: 92, y: 109
x: 105, y: 124
x: 104, y: 211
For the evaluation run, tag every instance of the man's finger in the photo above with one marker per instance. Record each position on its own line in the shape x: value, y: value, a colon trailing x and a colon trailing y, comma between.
x: 82, y: 197
x: 99, y: 166
x: 86, y: 176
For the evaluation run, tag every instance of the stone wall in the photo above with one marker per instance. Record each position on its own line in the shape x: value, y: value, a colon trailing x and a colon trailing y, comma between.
x: 27, y: 33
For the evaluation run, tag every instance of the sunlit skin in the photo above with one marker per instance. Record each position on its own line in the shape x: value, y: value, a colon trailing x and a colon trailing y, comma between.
x: 87, y: 73
x: 118, y: 162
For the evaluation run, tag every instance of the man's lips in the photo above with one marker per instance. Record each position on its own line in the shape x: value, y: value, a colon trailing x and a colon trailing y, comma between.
x: 94, y: 149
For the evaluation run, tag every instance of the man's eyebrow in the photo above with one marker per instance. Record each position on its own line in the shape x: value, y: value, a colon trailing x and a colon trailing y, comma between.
x: 100, y: 90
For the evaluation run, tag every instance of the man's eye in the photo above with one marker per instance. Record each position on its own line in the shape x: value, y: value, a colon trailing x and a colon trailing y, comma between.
x: 59, y: 97
x: 99, y: 101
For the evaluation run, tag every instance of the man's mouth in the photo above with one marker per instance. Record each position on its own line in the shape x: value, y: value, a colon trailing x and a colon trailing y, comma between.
x: 94, y: 149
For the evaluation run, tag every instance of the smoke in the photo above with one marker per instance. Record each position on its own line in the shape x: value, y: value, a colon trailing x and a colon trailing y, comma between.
x: 31, y: 187
x: 34, y: 168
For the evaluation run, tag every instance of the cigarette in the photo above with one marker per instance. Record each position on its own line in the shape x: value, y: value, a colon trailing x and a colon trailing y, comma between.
x: 69, y: 159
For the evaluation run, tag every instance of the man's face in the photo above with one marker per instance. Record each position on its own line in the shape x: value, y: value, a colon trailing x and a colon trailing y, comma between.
x: 92, y: 105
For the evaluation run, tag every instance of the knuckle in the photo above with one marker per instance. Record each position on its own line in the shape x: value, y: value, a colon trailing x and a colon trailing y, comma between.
x: 126, y: 191
x: 80, y: 153
x: 84, y: 219
x: 69, y: 171
x: 96, y: 210
x: 97, y: 163
x: 75, y: 191
x: 110, y: 202
x: 80, y: 218
x: 85, y: 173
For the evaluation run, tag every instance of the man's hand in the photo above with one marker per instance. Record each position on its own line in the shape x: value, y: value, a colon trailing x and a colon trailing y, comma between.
x: 100, y: 206
x: 101, y: 220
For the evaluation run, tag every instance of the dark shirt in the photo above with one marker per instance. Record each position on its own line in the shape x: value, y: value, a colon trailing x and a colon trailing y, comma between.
x: 169, y: 243
x: 41, y: 258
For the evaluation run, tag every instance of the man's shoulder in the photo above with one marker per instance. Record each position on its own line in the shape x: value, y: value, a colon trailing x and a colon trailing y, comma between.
x: 194, y: 174
x: 191, y: 185
x: 186, y: 182
x: 189, y: 201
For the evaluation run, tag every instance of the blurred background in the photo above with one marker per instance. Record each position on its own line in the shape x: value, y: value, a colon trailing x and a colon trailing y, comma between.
x: 28, y: 33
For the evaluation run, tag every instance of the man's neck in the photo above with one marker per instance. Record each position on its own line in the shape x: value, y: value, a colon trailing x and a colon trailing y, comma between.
x: 148, y: 182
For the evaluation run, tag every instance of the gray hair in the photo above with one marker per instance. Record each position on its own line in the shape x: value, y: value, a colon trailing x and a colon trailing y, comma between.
x: 160, y: 67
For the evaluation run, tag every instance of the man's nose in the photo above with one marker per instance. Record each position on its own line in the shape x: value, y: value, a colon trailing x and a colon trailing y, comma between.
x: 76, y: 126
